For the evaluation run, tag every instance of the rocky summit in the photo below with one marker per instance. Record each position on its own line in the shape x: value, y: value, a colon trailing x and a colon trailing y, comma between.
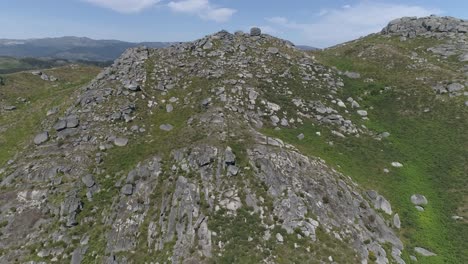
x: 181, y: 155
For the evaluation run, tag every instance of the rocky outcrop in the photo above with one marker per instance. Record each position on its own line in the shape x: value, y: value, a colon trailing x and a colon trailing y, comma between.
x: 163, y: 148
x: 429, y: 26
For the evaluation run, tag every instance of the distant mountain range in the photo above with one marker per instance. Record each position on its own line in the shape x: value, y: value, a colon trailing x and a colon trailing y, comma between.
x: 70, y: 48
x: 305, y: 47
x: 75, y: 48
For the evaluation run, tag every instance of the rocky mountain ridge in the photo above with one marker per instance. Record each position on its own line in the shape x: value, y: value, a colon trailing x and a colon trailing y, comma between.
x: 167, y: 157
x: 175, y: 196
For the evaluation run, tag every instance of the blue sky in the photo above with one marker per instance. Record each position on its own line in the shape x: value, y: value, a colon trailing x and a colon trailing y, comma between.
x: 319, y: 23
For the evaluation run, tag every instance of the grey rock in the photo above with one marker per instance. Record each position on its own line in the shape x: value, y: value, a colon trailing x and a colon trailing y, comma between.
x: 464, y: 57
x: 440, y: 89
x: 273, y: 50
x: 255, y: 32
x: 457, y: 217
x: 121, y: 142
x: 127, y: 189
x: 300, y: 136
x: 455, y: 87
x: 70, y: 208
x: 166, y: 127
x: 88, y: 180
x: 41, y: 138
x: 372, y: 194
x: 355, y: 104
x: 133, y: 87
x: 419, y: 208
x: 44, y: 77
x: 232, y: 170
x: 60, y: 125
x: 383, y: 204
x: 362, y: 113
x: 72, y: 122
x: 279, y: 238
x: 78, y: 255
x: 418, y: 199
x: 206, y: 102
x: 385, y: 135
x: 274, y: 119
x: 352, y: 75
x: 396, y: 221
x: 338, y: 134
x: 169, y: 108
x: 229, y: 156
x: 425, y: 26
x: 9, y: 108
x: 208, y: 45
x: 424, y: 252
x: 52, y: 111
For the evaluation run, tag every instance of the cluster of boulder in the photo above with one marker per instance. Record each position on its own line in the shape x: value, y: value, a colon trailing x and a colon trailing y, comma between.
x: 44, y: 76
x: 430, y: 26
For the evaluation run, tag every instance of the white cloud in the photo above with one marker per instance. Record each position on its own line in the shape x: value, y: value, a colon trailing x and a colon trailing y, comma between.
x: 334, y: 26
x: 125, y: 6
x: 202, y: 8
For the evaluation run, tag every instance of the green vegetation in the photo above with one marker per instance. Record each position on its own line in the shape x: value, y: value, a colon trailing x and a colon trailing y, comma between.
x: 431, y: 145
x: 19, y: 126
x: 12, y: 65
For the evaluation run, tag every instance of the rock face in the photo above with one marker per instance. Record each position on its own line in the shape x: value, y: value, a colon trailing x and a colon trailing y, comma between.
x: 117, y: 182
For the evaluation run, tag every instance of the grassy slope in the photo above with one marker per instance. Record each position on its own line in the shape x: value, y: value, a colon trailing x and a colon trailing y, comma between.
x: 18, y: 127
x: 432, y: 146
x: 12, y: 65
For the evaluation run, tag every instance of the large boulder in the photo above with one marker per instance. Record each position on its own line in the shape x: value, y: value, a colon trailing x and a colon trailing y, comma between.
x: 255, y: 31
x: 418, y: 199
x: 88, y: 180
x: 121, y: 142
x: 41, y: 138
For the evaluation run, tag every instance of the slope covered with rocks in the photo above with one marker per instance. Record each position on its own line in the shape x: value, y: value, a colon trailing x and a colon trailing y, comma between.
x: 163, y: 158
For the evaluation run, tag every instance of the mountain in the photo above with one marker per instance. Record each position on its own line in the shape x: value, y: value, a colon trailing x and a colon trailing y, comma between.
x: 242, y: 148
x: 70, y: 48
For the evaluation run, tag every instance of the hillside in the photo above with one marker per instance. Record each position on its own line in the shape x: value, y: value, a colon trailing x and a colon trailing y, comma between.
x: 241, y: 148
x: 413, y: 79
x: 12, y: 65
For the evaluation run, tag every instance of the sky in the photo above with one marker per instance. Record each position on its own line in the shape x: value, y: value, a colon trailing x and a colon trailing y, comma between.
x: 318, y: 23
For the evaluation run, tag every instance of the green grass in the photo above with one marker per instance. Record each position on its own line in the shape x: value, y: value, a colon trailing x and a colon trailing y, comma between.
x: 12, y: 65
x: 432, y: 146
x: 19, y: 126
